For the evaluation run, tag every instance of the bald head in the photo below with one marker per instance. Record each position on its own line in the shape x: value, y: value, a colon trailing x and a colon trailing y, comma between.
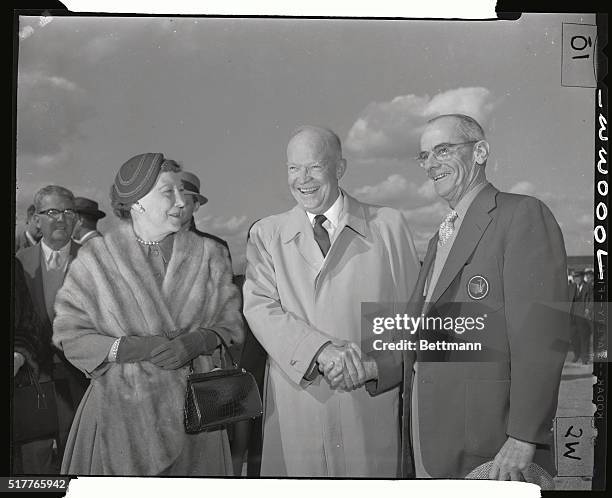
x: 318, y: 139
x: 465, y: 126
x: 314, y: 166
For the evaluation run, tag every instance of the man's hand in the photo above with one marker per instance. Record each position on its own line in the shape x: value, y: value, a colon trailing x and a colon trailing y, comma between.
x: 355, y: 368
x: 512, y: 460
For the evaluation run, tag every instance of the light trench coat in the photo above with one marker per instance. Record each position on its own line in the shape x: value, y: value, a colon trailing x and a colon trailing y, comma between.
x: 295, y: 301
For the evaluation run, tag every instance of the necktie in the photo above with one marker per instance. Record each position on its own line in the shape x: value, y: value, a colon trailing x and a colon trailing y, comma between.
x: 54, y: 261
x: 320, y: 234
x: 447, y: 227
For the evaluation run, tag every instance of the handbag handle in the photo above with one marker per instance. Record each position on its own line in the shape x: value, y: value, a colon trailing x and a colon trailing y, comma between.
x: 222, y: 343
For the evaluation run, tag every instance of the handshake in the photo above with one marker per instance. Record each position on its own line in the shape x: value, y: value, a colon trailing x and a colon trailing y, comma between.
x: 345, y: 366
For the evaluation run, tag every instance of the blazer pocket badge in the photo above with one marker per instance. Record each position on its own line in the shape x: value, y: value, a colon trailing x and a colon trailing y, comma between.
x: 478, y: 287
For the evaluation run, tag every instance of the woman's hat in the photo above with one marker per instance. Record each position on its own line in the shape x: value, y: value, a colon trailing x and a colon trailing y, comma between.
x: 137, y: 177
x: 191, y: 183
x: 82, y: 205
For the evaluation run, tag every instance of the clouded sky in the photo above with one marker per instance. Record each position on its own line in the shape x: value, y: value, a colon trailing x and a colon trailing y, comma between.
x: 222, y: 96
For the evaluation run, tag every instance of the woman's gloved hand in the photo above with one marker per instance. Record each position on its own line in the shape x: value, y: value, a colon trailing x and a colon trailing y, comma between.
x: 138, y: 348
x: 183, y: 348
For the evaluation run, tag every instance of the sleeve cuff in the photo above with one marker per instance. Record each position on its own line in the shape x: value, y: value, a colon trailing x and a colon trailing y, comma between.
x: 303, y: 355
x: 313, y: 368
x: 390, y: 372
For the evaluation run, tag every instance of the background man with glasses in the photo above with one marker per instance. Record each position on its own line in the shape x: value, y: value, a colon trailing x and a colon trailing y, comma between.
x: 496, y: 255
x: 45, y: 266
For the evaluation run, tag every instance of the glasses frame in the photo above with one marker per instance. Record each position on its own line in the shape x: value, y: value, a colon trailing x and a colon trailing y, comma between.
x: 66, y: 213
x: 423, y: 162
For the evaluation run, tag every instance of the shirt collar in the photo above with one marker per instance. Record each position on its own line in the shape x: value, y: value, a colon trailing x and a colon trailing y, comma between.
x: 333, y: 213
x: 464, y: 204
x: 64, y: 251
x: 80, y: 241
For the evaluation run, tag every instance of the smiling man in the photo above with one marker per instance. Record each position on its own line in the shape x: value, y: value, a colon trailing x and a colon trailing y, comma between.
x: 45, y: 266
x: 308, y: 271
x: 499, y: 256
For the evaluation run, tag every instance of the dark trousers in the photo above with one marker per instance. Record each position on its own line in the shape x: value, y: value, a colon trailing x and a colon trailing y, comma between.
x: 581, y: 339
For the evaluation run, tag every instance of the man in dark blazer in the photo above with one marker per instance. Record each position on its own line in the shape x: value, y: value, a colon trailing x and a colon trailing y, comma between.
x: 45, y: 266
x: 500, y: 257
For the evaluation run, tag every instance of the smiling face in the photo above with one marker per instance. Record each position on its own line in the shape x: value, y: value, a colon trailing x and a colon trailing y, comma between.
x: 55, y: 233
x: 462, y: 169
x: 163, y: 207
x: 314, y: 166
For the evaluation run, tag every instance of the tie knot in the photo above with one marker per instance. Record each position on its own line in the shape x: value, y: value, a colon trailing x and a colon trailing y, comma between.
x: 451, y: 217
x: 320, y: 219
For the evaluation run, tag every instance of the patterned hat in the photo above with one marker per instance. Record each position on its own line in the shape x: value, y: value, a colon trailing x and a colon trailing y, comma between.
x: 533, y: 474
x: 136, y: 178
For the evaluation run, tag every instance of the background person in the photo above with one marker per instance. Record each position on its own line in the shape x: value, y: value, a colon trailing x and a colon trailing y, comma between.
x: 139, y: 304
x: 89, y: 215
x: 193, y: 201
x: 45, y: 265
x: 30, y: 235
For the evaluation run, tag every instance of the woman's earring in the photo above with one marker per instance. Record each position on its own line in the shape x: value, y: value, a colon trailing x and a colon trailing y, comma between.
x: 139, y: 207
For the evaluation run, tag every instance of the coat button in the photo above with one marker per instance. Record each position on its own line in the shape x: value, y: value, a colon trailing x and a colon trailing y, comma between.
x: 292, y: 362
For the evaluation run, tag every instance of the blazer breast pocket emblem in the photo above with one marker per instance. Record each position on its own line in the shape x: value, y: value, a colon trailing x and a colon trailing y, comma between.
x: 478, y: 287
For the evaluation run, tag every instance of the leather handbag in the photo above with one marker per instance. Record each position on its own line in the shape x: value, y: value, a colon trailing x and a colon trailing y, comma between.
x: 34, y: 410
x: 220, y: 397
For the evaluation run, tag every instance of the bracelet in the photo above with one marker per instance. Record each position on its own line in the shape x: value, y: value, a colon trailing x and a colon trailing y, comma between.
x: 112, y: 354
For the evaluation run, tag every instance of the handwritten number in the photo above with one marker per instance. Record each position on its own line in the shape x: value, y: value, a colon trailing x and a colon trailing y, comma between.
x: 570, y: 433
x: 579, y: 43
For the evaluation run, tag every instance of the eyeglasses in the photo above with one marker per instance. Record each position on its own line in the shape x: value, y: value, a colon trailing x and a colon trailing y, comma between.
x: 441, y: 152
x: 56, y: 213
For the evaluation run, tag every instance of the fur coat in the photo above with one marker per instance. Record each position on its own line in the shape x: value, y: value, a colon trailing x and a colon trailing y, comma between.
x: 137, y: 408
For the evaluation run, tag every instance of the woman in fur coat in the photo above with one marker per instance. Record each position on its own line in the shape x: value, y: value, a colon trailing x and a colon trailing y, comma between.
x: 137, y: 306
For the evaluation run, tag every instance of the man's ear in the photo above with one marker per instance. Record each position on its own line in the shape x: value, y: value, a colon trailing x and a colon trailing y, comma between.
x: 36, y: 220
x: 481, y: 152
x: 340, y: 168
x: 196, y: 206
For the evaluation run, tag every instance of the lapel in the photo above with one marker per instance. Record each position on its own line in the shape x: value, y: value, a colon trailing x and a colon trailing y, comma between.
x: 417, y: 295
x: 352, y: 221
x: 37, y: 289
x: 297, y: 231
x: 473, y: 226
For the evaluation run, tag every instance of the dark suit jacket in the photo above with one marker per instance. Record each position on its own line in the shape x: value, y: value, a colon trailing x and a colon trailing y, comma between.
x: 194, y: 229
x: 582, y: 301
x: 467, y: 409
x: 31, y: 259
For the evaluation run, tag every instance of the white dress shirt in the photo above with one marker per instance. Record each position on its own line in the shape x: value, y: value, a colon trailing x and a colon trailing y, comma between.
x: 64, y: 255
x: 333, y: 215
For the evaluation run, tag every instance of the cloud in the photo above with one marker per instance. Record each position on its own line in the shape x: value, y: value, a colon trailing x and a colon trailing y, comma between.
x: 392, y: 129
x: 396, y: 191
x: 50, y: 110
x: 526, y: 188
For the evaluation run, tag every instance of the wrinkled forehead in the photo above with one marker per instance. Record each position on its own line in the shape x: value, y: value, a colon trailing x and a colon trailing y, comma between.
x: 309, y: 147
x: 55, y: 201
x: 440, y: 131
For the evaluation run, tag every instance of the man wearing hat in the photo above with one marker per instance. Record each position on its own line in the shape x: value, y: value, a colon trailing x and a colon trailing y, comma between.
x: 193, y: 201
x: 31, y: 234
x: 89, y: 214
x: 581, y: 297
